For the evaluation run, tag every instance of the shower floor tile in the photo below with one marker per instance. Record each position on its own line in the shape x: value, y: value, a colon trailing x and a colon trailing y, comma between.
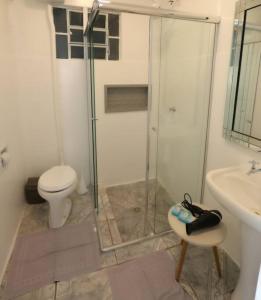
x: 123, y: 208
x: 138, y: 250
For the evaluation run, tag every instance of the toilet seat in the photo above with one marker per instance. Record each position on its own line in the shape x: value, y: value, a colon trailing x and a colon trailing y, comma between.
x: 57, y: 179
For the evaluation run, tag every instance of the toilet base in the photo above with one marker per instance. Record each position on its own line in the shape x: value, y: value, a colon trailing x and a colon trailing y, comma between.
x: 59, y: 212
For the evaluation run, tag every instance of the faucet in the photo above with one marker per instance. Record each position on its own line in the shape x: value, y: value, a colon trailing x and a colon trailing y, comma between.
x: 253, y: 169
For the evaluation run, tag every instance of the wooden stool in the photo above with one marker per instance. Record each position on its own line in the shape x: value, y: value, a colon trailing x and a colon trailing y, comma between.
x: 209, y: 237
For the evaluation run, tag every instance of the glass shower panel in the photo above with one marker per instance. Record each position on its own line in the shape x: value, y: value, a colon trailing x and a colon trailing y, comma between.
x: 154, y: 78
x: 92, y: 119
x: 180, y: 103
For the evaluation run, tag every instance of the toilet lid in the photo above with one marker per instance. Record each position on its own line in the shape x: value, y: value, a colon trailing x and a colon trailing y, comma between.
x: 57, y: 179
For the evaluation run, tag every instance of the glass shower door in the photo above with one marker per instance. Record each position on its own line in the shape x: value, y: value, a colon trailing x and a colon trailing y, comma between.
x: 182, y: 55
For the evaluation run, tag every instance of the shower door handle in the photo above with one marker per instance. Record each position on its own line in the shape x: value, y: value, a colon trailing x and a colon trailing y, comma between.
x: 95, y: 119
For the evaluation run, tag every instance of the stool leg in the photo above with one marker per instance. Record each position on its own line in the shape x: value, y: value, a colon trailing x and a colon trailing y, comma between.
x: 181, y: 259
x: 215, y: 251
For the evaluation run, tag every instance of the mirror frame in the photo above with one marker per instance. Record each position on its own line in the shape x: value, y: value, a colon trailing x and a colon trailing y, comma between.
x: 255, y: 144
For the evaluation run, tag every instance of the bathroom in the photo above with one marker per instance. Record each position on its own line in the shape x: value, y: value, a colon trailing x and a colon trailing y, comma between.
x: 126, y: 165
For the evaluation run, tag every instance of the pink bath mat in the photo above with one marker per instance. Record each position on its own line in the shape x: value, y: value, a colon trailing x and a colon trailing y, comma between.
x: 151, y: 277
x: 42, y: 258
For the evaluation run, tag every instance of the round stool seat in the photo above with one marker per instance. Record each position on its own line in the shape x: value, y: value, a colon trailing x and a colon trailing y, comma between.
x: 204, y: 238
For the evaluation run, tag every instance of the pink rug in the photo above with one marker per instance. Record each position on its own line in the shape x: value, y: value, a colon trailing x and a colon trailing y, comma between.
x: 42, y: 258
x: 151, y: 277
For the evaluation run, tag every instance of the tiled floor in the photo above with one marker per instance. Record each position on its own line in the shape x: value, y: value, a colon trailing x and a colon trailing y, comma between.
x: 122, y: 212
x: 199, y: 277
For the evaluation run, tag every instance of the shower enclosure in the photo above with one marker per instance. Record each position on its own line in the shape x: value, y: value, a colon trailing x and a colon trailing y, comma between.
x: 180, y: 62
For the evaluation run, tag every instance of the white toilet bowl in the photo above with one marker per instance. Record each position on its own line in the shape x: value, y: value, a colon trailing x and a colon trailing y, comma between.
x: 55, y: 186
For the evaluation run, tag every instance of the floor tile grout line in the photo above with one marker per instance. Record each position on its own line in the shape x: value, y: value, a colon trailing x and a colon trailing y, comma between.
x: 107, y: 218
x: 107, y: 222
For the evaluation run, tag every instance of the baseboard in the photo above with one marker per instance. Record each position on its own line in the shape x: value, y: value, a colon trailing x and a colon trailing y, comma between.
x: 122, y: 183
x: 11, y: 247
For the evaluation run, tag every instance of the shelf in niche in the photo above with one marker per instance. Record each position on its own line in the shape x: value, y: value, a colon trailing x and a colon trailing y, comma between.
x: 126, y: 98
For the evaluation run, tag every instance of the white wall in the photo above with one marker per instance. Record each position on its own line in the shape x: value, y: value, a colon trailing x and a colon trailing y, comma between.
x: 12, y: 179
x: 31, y: 37
x: 37, y: 87
x: 222, y: 153
x: 121, y: 137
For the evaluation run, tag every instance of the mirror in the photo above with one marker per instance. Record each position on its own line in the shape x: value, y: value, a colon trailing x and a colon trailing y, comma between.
x: 242, y: 116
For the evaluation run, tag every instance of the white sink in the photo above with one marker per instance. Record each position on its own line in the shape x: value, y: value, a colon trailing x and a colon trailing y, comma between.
x: 240, y: 193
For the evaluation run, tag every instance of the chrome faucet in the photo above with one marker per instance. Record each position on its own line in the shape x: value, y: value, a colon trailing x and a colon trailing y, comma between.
x: 253, y: 169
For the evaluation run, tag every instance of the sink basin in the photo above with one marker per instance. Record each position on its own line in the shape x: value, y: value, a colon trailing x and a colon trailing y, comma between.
x: 240, y: 193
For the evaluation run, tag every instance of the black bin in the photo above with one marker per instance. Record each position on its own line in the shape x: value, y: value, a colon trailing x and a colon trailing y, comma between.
x: 31, y: 193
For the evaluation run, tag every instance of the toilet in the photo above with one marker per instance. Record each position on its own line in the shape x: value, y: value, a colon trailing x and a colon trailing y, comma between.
x: 55, y: 186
